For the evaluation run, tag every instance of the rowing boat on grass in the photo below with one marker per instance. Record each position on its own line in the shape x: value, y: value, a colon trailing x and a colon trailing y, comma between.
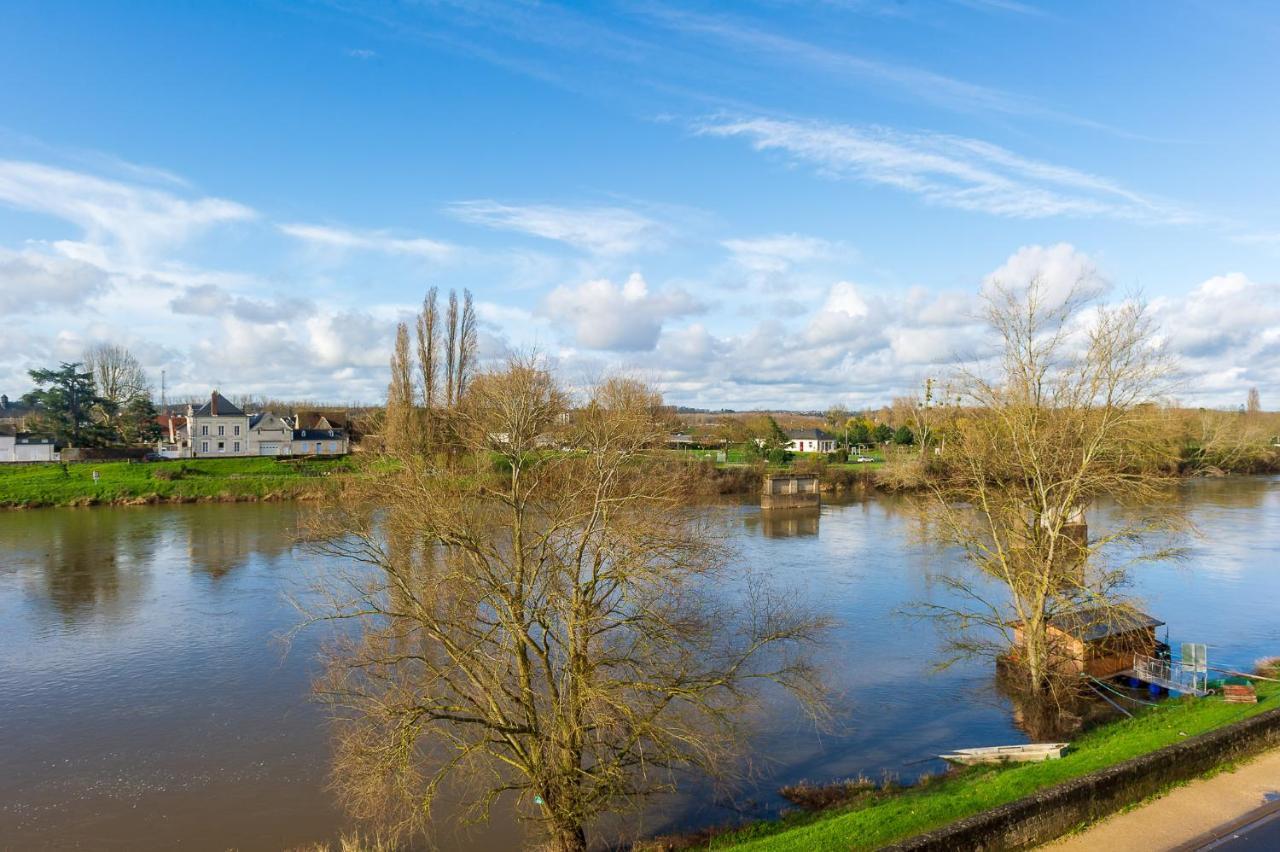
x: 1028, y: 753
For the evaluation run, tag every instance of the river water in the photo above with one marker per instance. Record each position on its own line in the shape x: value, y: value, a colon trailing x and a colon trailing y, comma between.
x: 147, y: 702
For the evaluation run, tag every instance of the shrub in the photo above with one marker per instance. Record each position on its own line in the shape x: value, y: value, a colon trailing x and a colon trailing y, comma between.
x: 820, y: 797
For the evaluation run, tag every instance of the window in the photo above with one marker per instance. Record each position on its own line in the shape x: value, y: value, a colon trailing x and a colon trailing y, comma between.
x: 222, y: 430
x: 204, y: 446
x: 204, y: 430
x: 222, y: 448
x: 235, y: 448
x: 333, y: 446
x: 237, y: 430
x: 317, y: 448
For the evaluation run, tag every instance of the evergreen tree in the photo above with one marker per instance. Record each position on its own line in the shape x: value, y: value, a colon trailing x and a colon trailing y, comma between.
x: 65, y: 399
x: 903, y: 436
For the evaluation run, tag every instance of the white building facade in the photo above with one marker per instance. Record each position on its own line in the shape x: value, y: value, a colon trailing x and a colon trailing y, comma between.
x: 218, y: 429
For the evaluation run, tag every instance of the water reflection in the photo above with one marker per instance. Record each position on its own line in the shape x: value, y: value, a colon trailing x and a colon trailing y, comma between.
x: 218, y: 548
x: 784, y: 523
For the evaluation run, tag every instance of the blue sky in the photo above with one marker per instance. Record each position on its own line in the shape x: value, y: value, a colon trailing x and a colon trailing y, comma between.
x: 771, y: 203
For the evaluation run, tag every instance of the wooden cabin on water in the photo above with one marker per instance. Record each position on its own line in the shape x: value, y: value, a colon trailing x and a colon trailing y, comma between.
x: 1099, y: 641
x: 790, y: 491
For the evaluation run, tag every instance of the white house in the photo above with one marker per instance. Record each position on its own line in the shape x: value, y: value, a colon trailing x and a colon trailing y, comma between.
x: 218, y: 428
x: 319, y: 442
x: 810, y: 441
x: 269, y: 435
x: 26, y: 447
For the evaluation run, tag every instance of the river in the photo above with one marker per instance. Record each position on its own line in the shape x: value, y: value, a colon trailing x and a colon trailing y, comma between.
x: 147, y: 702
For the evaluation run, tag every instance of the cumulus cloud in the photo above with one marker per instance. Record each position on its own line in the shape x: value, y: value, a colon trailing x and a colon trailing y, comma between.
x: 951, y: 171
x: 342, y: 239
x: 1060, y: 270
x: 606, y: 316
x: 136, y: 218
x: 596, y: 230
x: 844, y: 315
x: 1226, y: 336
x: 31, y: 280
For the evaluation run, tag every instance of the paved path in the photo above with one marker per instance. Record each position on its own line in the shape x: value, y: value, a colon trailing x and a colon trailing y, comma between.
x: 1187, y: 817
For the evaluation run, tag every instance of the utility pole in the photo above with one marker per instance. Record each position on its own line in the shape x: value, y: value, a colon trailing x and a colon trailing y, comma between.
x: 164, y: 400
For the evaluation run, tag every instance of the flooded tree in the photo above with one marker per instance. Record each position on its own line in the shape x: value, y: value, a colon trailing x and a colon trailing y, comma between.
x: 544, y: 620
x: 1063, y: 417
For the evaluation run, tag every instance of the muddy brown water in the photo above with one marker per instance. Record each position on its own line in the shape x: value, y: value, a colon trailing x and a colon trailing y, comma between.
x: 145, y: 702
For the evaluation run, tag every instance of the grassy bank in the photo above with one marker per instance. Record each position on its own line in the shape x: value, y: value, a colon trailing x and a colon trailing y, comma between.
x: 30, y: 486
x: 881, y: 818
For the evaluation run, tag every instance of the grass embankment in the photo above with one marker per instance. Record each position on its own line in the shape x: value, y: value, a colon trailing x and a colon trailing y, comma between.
x: 188, y: 480
x: 881, y: 818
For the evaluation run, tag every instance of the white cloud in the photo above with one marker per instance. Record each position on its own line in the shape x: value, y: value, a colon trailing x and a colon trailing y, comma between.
x: 31, y: 280
x: 341, y: 239
x: 212, y: 300
x: 597, y: 230
x: 1226, y: 335
x: 1060, y: 269
x: 136, y: 218
x: 950, y: 171
x: 844, y: 315
x: 778, y: 253
x: 606, y: 316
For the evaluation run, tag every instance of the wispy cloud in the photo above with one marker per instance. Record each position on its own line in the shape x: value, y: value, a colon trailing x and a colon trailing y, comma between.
x: 361, y: 53
x: 597, y: 230
x: 136, y: 218
x: 950, y: 171
x: 1007, y: 6
x: 343, y: 239
x: 777, y: 253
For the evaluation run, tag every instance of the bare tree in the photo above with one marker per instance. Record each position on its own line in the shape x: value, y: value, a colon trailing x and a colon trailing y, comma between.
x: 466, y: 360
x: 1254, y: 405
x: 451, y: 350
x: 117, y: 375
x: 552, y: 627
x: 400, y: 433
x: 1065, y: 420
x: 428, y: 348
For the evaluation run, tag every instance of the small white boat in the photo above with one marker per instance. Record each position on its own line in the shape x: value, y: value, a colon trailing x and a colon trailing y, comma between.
x: 1028, y: 753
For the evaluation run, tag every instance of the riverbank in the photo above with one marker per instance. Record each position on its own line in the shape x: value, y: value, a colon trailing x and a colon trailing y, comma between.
x: 878, y: 817
x: 189, y: 480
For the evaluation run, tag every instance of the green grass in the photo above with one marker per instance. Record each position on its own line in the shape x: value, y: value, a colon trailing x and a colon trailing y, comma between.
x: 25, y: 486
x: 887, y: 818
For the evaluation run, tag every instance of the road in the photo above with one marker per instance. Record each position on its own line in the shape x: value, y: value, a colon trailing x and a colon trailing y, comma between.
x: 1195, y: 816
x: 1261, y: 831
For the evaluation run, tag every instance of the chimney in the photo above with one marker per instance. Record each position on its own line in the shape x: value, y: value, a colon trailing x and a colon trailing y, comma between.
x: 213, y: 403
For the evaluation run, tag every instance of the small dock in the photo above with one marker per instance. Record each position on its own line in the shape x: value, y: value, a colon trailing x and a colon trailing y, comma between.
x: 1186, y: 677
x: 790, y: 491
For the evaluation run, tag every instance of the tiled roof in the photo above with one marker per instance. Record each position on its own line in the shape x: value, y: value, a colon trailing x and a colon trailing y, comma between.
x: 809, y: 435
x: 1092, y: 624
x: 218, y: 405
x: 316, y: 434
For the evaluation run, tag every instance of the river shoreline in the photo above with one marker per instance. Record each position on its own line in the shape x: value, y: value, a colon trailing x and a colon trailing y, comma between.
x: 115, y: 483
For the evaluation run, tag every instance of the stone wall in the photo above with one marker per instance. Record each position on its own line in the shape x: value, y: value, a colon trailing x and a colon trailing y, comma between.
x: 1054, y: 811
